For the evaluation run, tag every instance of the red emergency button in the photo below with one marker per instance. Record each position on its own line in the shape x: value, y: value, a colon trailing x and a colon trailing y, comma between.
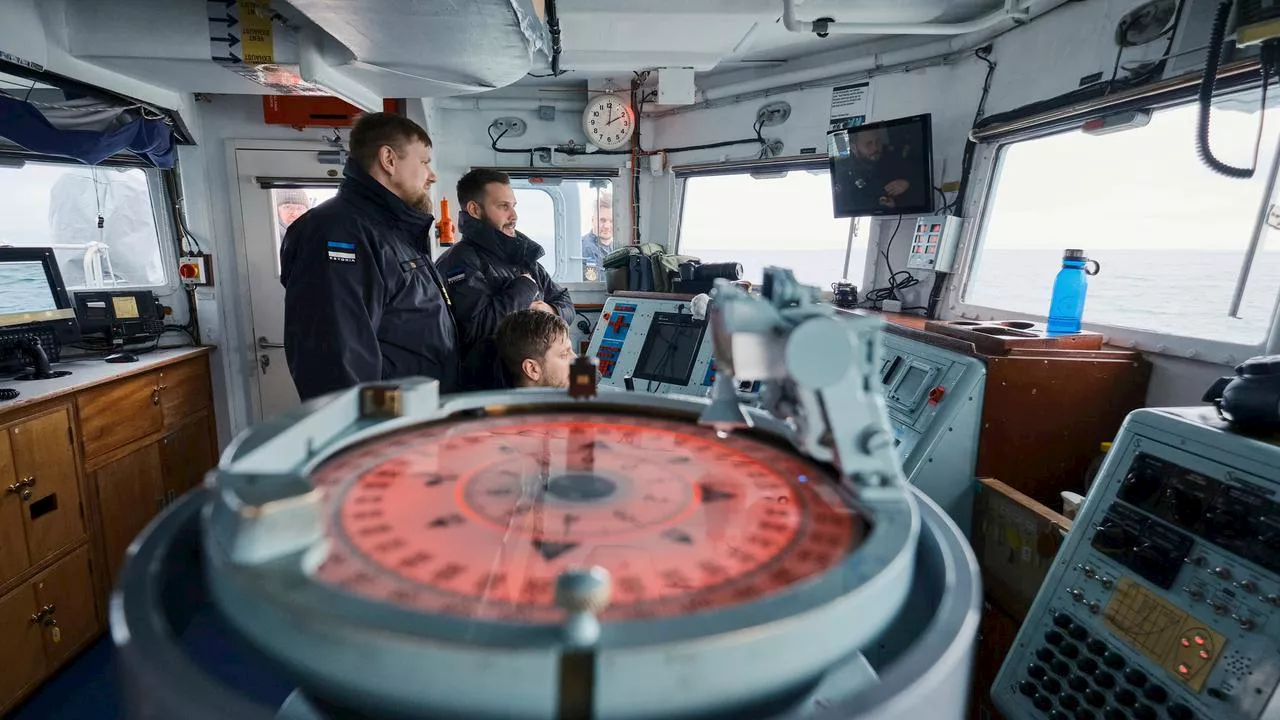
x: 187, y: 270
x: 935, y: 395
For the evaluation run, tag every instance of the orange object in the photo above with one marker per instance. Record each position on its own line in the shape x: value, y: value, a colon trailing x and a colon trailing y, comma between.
x: 444, y: 226
x: 301, y: 111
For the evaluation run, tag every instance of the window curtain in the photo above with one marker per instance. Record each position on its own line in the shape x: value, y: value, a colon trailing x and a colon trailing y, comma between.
x: 86, y: 129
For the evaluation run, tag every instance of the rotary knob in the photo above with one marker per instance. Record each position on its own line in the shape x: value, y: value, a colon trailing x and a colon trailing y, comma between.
x: 582, y: 594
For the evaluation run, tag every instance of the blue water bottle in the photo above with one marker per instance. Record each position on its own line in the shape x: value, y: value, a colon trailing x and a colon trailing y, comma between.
x: 1069, y: 291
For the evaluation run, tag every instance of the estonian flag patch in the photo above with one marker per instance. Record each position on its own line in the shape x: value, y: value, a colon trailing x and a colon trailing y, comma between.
x: 342, y: 251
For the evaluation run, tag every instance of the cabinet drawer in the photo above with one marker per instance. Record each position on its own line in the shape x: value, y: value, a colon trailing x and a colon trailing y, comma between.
x: 186, y: 454
x: 184, y: 389
x: 13, y: 538
x: 120, y: 413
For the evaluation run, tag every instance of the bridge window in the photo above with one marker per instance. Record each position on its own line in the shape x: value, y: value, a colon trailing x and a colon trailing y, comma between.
x: 1170, y: 234
x: 764, y: 218
x: 104, y: 223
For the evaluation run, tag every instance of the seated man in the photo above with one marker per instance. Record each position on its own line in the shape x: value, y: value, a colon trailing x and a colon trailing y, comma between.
x: 494, y: 270
x: 534, y: 350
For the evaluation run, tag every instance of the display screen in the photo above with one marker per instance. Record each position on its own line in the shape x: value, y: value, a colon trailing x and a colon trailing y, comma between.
x: 670, y: 349
x: 911, y: 382
x: 883, y: 168
x: 25, y: 288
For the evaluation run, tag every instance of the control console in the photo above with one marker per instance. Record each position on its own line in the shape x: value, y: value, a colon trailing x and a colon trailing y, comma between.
x: 934, y: 398
x: 1164, y: 601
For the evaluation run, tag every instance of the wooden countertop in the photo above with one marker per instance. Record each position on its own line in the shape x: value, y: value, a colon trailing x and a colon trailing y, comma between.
x: 88, y: 372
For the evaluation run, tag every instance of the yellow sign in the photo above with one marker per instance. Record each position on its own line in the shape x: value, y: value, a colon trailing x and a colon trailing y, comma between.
x: 256, y: 42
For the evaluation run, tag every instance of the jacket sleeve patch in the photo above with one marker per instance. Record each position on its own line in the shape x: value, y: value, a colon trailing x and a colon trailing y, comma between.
x: 455, y: 276
x: 344, y: 252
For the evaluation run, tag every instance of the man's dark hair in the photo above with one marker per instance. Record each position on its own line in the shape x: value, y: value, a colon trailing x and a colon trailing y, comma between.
x: 375, y: 130
x: 527, y: 334
x: 471, y: 186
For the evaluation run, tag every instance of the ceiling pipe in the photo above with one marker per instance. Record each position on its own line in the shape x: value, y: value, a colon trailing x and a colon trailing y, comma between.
x: 509, y: 104
x: 1012, y: 10
x: 917, y: 53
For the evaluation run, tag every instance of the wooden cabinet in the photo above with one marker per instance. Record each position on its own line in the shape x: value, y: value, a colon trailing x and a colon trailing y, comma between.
x: 44, y: 623
x: 83, y: 472
x: 115, y: 415
x: 41, y: 510
x: 130, y: 493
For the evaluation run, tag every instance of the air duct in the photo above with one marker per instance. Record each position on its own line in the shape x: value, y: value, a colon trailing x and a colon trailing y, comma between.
x: 1012, y: 10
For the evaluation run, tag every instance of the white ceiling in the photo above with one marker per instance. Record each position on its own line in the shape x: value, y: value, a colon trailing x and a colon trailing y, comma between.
x: 603, y: 38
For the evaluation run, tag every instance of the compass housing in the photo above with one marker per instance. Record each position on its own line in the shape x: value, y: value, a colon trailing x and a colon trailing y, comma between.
x: 273, y: 524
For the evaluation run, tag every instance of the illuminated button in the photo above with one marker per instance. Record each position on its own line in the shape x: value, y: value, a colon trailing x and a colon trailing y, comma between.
x: 1042, y: 702
x: 1051, y: 685
x: 1204, y: 654
x: 1184, y: 670
x: 1105, y: 680
x: 1199, y: 640
x: 1036, y: 671
x: 1155, y: 694
x: 1186, y: 642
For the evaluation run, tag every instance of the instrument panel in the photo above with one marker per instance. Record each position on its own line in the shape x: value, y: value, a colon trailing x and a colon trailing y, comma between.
x: 1163, y: 601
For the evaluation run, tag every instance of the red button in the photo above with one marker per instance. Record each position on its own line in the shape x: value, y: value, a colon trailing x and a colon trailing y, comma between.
x: 187, y: 270
x: 935, y: 395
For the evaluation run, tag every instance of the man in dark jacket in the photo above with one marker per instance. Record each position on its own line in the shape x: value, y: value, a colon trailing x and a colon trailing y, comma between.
x: 363, y: 301
x: 493, y: 270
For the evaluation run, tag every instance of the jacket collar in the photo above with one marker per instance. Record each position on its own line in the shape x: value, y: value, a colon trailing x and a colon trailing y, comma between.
x: 361, y: 188
x: 519, y: 250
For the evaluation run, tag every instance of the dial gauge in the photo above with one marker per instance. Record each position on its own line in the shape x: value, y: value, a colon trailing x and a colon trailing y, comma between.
x: 608, y: 121
x: 477, y: 519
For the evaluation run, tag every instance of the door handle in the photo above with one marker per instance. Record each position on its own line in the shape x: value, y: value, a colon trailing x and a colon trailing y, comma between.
x: 265, y: 344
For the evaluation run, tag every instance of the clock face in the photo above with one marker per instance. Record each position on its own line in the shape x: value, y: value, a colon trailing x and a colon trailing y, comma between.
x: 608, y: 121
x: 478, y: 519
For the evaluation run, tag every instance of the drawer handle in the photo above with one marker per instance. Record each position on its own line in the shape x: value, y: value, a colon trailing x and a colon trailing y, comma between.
x: 155, y: 396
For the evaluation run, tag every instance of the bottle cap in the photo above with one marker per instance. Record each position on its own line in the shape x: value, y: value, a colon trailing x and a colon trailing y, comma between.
x: 1073, y: 255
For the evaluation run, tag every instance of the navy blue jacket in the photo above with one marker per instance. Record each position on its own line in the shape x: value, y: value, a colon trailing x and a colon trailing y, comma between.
x: 483, y: 273
x: 363, y: 301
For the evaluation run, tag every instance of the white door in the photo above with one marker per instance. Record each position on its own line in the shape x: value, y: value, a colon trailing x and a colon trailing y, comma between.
x: 276, y: 186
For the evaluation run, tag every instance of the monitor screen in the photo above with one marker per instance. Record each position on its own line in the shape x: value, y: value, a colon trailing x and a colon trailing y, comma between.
x: 670, y: 349
x: 884, y: 168
x: 910, y: 385
x: 25, y: 288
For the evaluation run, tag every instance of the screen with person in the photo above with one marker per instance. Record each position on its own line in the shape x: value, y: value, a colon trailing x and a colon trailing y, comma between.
x: 670, y: 349
x: 884, y: 168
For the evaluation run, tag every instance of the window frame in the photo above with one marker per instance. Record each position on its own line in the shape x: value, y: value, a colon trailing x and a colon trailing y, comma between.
x: 161, y: 204
x: 792, y: 163
x: 982, y: 183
